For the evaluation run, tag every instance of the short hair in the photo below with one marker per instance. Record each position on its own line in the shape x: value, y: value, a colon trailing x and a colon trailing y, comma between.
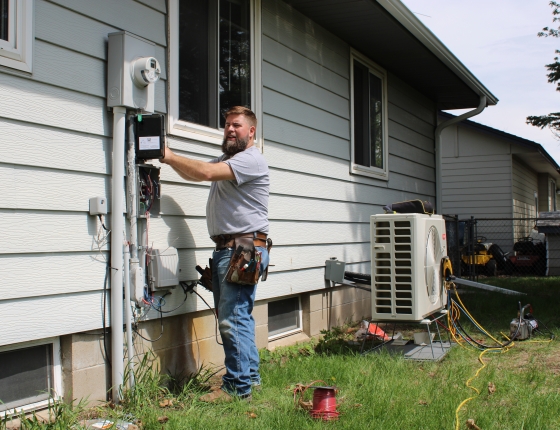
x: 246, y: 112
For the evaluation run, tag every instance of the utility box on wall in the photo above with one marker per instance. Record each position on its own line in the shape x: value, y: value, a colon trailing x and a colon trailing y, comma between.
x: 132, y: 71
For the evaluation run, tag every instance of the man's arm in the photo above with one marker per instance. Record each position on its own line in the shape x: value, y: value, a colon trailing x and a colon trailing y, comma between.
x: 195, y: 170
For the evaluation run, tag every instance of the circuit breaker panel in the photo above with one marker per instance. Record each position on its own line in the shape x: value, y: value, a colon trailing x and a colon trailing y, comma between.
x: 149, y: 190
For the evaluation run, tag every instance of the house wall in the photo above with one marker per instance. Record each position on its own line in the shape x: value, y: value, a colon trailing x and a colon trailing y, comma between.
x: 56, y: 141
x: 57, y: 154
x: 476, y: 174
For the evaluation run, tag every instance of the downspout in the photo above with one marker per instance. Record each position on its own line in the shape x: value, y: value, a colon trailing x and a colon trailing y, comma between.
x: 117, y: 248
x: 439, y: 129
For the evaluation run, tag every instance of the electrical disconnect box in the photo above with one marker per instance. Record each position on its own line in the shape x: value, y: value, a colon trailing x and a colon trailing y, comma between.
x: 163, y: 269
x: 149, y: 190
x: 334, y: 270
x: 132, y: 72
x: 150, y: 137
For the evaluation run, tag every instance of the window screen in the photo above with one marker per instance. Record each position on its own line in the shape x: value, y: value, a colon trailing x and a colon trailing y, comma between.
x: 4, y: 19
x: 25, y: 376
x: 214, y: 59
x: 283, y: 316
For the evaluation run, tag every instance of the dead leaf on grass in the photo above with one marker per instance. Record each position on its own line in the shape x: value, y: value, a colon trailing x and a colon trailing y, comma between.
x: 166, y: 403
x: 163, y: 419
x: 132, y: 427
x: 423, y: 402
x: 251, y: 415
x: 358, y: 405
x: 471, y: 425
x: 491, y: 388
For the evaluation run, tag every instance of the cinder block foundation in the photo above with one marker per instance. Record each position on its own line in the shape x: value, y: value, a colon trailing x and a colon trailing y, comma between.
x: 189, y: 341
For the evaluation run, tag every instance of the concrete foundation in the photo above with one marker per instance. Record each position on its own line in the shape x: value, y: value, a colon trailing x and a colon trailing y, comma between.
x: 189, y: 341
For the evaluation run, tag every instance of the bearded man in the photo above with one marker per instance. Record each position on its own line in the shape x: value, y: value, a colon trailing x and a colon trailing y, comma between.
x: 237, y: 208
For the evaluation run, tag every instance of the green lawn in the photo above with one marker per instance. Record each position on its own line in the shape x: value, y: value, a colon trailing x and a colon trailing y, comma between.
x: 383, y: 391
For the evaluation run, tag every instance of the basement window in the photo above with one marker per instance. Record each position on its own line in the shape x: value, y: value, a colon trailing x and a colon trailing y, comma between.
x: 284, y: 317
x: 29, y: 376
x: 16, y: 34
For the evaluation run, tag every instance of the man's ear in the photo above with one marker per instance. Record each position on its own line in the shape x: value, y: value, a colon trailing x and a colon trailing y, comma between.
x: 252, y: 130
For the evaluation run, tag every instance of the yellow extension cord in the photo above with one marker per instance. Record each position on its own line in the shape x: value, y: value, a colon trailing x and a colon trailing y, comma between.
x: 455, y: 312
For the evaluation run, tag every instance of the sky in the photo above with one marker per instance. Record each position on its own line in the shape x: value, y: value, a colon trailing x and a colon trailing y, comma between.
x: 497, y: 41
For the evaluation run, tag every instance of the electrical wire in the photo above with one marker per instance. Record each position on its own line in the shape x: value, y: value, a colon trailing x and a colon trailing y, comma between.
x: 192, y: 290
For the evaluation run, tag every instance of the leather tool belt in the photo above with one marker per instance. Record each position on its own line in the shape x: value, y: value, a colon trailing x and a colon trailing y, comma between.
x: 223, y: 241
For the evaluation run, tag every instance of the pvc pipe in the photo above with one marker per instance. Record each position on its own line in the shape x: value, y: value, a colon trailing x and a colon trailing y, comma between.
x: 132, y: 263
x: 132, y: 191
x: 117, y: 244
x: 439, y: 129
x: 128, y: 318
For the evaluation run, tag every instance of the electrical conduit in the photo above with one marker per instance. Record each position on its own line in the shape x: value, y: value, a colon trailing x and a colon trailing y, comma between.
x: 117, y: 245
x: 439, y: 129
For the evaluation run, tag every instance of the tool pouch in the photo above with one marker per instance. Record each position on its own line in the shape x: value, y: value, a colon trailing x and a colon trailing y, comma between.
x: 244, y: 266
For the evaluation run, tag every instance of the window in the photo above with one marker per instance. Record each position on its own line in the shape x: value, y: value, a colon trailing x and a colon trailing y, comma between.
x: 16, y: 34
x: 369, y: 118
x: 284, y: 317
x: 213, y: 52
x: 29, y: 375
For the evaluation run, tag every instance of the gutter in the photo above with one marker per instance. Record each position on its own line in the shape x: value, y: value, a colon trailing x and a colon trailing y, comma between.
x: 409, y: 21
x: 439, y: 196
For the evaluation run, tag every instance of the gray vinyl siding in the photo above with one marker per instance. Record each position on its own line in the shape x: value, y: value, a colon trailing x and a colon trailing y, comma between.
x: 476, y: 174
x: 524, y: 186
x: 56, y: 154
x: 307, y: 123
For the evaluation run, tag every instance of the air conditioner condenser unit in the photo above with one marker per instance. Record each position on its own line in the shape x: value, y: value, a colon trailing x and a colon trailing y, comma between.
x: 406, y: 266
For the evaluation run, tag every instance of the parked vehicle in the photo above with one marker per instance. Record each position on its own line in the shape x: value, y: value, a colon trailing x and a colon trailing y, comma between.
x: 529, y: 256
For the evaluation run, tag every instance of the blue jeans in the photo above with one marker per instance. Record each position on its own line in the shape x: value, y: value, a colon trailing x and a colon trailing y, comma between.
x: 234, y: 304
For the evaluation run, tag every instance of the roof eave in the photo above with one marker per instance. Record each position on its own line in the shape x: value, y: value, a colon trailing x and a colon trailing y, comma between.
x: 408, y: 20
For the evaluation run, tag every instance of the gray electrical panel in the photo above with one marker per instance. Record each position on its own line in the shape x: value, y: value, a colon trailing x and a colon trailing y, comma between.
x: 132, y: 71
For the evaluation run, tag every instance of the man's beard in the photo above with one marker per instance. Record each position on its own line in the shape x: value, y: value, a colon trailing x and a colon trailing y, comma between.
x: 232, y: 148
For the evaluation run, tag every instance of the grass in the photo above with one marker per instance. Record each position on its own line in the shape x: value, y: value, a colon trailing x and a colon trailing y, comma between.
x: 379, y: 390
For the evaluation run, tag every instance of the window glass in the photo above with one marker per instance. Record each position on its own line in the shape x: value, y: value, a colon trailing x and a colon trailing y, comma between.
x: 4, y: 19
x: 283, y: 316
x: 214, y: 59
x: 375, y: 121
x: 235, y: 54
x: 25, y: 376
x: 368, y: 117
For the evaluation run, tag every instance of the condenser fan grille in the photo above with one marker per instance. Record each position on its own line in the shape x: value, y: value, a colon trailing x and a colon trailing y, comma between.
x: 432, y: 265
x: 393, y: 266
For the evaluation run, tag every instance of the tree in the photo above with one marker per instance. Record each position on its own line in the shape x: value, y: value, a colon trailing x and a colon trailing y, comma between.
x: 552, y: 120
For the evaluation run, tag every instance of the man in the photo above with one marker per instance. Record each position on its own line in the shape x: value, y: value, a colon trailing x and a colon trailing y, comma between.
x: 237, y: 206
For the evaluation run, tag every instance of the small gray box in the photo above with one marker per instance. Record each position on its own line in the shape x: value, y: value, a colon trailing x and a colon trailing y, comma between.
x: 334, y: 270
x: 163, y: 270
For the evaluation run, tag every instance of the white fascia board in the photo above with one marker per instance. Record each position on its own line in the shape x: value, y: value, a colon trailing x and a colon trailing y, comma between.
x: 404, y: 16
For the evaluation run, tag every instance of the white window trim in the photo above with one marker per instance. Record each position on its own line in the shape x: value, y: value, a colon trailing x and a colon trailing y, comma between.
x: 381, y: 73
x: 57, y: 373
x: 293, y: 331
x: 198, y: 132
x: 17, y: 52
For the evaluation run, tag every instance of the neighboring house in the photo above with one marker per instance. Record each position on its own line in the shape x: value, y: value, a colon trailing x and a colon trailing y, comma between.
x: 488, y: 173
x: 346, y: 93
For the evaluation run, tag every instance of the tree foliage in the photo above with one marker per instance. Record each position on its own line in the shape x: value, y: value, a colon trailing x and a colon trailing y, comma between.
x: 552, y: 120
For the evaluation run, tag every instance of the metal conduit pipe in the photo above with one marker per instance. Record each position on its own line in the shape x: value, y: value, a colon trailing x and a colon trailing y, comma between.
x: 117, y: 245
x: 439, y: 129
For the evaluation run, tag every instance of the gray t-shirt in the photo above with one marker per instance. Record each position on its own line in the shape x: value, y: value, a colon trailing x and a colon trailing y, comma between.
x: 240, y: 205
